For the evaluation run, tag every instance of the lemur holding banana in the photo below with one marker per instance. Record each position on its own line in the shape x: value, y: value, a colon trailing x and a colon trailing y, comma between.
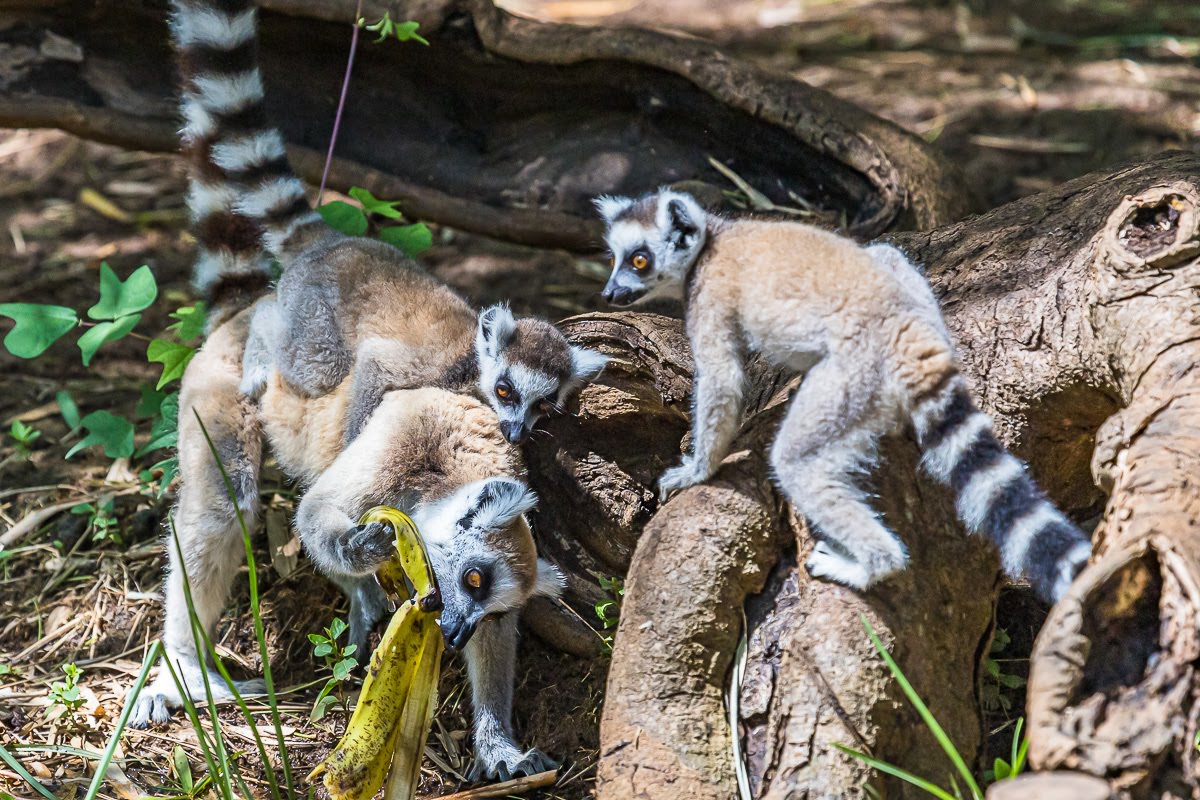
x: 863, y: 326
x: 356, y: 340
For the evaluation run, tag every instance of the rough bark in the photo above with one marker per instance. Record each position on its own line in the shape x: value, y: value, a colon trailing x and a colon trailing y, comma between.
x: 1076, y: 314
x: 503, y: 126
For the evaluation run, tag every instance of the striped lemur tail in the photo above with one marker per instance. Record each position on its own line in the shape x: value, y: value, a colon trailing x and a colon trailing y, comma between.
x: 994, y: 494
x: 242, y: 195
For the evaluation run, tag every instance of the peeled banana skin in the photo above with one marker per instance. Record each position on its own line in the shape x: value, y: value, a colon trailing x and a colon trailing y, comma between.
x: 390, y: 723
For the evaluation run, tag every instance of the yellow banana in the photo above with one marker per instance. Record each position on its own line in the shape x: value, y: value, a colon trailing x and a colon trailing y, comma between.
x: 358, y: 766
x: 412, y: 559
x: 413, y: 729
x: 391, y: 720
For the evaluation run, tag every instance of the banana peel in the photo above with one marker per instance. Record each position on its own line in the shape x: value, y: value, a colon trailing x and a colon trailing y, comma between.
x: 385, y: 738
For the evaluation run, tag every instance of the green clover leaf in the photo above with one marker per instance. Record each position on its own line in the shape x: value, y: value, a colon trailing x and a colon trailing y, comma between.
x: 38, y: 326
x: 412, y: 239
x: 104, y: 332
x: 118, y: 298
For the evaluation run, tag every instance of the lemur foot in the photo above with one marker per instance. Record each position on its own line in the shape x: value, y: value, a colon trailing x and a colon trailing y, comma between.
x: 365, y: 547
x: 828, y: 562
x: 154, y: 704
x: 689, y: 473
x: 508, y: 765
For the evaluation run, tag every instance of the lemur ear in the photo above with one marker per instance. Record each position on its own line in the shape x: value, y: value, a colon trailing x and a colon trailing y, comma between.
x: 500, y: 501
x: 610, y: 206
x: 496, y: 327
x: 681, y: 218
x: 550, y: 581
x: 586, y: 364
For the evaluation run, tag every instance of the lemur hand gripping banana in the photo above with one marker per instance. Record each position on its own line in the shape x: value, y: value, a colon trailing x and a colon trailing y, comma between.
x: 355, y: 338
x: 864, y: 327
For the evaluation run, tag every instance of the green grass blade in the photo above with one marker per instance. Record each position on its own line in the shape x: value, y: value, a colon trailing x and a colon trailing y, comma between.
x: 259, y: 631
x: 926, y: 715
x: 1016, y: 744
x: 224, y: 672
x: 1022, y: 751
x: 110, y: 749
x: 189, y: 709
x: 37, y: 786
x: 896, y: 772
x: 218, y: 738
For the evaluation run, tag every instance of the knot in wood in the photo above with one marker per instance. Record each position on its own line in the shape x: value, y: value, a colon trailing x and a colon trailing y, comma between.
x: 1154, y: 230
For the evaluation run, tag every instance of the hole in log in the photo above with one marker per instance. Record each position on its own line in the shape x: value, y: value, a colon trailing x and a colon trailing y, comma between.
x: 1153, y: 228
x: 1123, y: 627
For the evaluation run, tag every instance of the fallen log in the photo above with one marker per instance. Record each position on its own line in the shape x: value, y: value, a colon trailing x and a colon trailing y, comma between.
x: 502, y: 126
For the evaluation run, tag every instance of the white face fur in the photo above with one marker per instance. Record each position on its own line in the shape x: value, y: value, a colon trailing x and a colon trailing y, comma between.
x: 654, y: 241
x: 521, y: 392
x: 477, y: 579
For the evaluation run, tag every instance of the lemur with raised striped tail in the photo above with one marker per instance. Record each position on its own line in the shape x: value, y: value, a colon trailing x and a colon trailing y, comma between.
x: 344, y: 304
x: 430, y: 445
x: 863, y: 326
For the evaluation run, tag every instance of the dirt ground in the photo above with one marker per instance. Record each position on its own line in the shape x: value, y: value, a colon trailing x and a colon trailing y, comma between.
x: 1021, y: 95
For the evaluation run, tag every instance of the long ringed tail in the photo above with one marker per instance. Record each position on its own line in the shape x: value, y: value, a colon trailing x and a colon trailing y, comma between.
x: 994, y: 494
x: 242, y: 195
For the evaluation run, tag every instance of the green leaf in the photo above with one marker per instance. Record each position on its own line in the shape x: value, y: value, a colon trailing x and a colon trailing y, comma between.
x: 103, y: 332
x: 68, y: 408
x: 1012, y: 681
x: 337, y: 627
x: 38, y: 326
x: 119, y: 298
x: 412, y: 239
x: 1001, y: 769
x: 373, y: 205
x: 343, y: 668
x: 406, y: 31
x: 173, y: 356
x: 169, y: 467
x: 113, y: 433
x: 165, y: 432
x: 25, y: 434
x: 183, y: 770
x: 323, y: 649
x: 350, y: 650
x: 316, y: 638
x: 343, y: 217
x: 191, y: 321
x: 150, y: 401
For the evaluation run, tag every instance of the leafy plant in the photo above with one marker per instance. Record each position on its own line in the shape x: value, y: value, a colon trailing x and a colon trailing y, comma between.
x: 996, y: 692
x: 934, y: 727
x: 65, y: 694
x: 186, y: 787
x: 101, y: 522
x: 1002, y: 769
x: 23, y: 437
x: 385, y: 27
x: 340, y: 663
x: 608, y: 611
x: 354, y: 220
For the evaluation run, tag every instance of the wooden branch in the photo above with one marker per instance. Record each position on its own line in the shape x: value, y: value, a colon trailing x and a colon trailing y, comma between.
x: 503, y: 126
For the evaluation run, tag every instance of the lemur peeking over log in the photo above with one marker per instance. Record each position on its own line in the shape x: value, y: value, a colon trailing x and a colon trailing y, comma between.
x: 343, y: 303
x: 355, y: 339
x: 863, y: 326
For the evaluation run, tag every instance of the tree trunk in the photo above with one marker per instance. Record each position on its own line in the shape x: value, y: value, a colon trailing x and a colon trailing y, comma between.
x: 502, y: 126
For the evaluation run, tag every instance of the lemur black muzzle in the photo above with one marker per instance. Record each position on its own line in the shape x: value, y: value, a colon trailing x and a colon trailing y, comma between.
x: 457, y: 631
x: 514, y: 432
x: 621, y: 295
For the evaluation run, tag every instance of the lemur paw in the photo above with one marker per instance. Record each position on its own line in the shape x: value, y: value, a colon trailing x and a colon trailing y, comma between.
x: 828, y: 563
x: 153, y: 706
x: 689, y: 473
x: 366, y: 547
x: 510, y: 765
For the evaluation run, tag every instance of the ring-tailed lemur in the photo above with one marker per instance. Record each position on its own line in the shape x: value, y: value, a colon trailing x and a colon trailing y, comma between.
x: 863, y: 324
x: 342, y: 302
x: 436, y: 454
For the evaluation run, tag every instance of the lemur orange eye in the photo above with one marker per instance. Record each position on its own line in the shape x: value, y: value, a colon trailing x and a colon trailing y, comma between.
x: 502, y: 391
x: 639, y: 261
x: 473, y: 578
